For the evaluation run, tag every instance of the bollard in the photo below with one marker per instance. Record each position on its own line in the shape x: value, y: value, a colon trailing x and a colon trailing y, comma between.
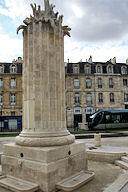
x: 97, y: 139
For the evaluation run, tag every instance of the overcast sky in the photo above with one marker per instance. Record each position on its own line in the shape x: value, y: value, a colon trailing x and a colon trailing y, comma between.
x: 99, y: 28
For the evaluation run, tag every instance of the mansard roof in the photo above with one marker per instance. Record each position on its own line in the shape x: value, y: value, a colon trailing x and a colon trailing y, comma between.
x: 116, y: 67
x: 7, y: 67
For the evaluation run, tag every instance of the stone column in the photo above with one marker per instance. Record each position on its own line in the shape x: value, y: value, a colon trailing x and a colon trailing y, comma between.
x: 44, y: 111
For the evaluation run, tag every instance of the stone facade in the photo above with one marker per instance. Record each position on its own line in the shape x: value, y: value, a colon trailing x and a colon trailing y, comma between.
x: 11, y: 89
x: 91, y: 86
x: 120, y: 89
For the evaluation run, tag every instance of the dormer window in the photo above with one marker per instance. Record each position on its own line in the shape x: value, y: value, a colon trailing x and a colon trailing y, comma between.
x: 124, y: 70
x: 87, y: 69
x: 98, y: 69
x: 76, y: 69
x: 1, y: 69
x: 109, y: 69
x: 13, y: 69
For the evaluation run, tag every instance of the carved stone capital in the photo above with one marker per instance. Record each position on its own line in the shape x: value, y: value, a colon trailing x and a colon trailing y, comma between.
x: 46, y: 16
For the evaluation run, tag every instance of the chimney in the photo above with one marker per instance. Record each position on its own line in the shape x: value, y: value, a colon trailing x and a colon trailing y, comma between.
x: 13, y: 61
x: 90, y: 59
x: 113, y: 60
x: 19, y: 59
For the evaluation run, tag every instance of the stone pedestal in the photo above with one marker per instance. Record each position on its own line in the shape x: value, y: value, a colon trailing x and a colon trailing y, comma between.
x: 44, y: 166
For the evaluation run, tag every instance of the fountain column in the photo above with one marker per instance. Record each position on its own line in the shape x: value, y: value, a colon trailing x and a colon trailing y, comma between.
x: 44, y: 115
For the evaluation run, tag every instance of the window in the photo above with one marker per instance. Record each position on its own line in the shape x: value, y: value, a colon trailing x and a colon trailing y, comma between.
x: 77, y: 110
x: 1, y: 99
x: 111, y: 97
x: 89, y: 98
x: 13, y: 83
x: 124, y: 118
x: 100, y: 97
x: 109, y: 69
x: 98, y: 69
x: 13, y: 69
x: 87, y: 69
x: 124, y: 70
x: 77, y: 98
x: 99, y: 83
x: 107, y: 118
x: 13, y: 99
x: 1, y: 83
x: 110, y: 83
x: 116, y: 118
x: 1, y: 69
x: 125, y: 97
x: 125, y: 82
x: 75, y: 69
x: 76, y: 83
x: 88, y: 83
x: 13, y: 113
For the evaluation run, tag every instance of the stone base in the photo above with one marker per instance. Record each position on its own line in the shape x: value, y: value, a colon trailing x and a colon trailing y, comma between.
x: 45, y: 141
x: 44, y: 166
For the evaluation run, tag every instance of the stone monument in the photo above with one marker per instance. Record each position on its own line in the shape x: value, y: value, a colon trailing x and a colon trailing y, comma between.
x: 44, y: 153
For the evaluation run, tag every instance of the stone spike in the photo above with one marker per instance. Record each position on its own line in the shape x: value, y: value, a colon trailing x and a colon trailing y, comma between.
x: 46, y: 4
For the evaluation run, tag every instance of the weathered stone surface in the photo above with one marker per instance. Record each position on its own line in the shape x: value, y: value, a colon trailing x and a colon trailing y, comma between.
x: 119, y: 185
x: 44, y: 166
x: 18, y: 185
x: 44, y: 115
x: 75, y: 181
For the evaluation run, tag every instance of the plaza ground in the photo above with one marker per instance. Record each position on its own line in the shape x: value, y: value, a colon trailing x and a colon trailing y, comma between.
x: 105, y: 173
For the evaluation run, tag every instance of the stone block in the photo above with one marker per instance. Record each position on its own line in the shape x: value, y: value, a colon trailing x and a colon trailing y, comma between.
x: 44, y: 166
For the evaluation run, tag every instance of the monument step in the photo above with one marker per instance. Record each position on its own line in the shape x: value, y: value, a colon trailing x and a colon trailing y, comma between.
x: 125, y: 159
x: 122, y: 164
x: 119, y: 185
x: 75, y: 181
x: 17, y: 185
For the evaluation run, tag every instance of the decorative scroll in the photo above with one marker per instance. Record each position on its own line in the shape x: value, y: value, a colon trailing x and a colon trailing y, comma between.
x: 47, y: 16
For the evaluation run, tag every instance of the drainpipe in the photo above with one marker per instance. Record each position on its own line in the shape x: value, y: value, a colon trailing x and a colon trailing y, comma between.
x: 95, y: 92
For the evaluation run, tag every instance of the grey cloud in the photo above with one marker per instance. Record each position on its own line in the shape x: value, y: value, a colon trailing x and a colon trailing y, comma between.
x: 102, y: 19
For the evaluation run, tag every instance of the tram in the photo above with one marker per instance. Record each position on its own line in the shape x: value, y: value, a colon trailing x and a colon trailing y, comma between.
x: 108, y: 119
